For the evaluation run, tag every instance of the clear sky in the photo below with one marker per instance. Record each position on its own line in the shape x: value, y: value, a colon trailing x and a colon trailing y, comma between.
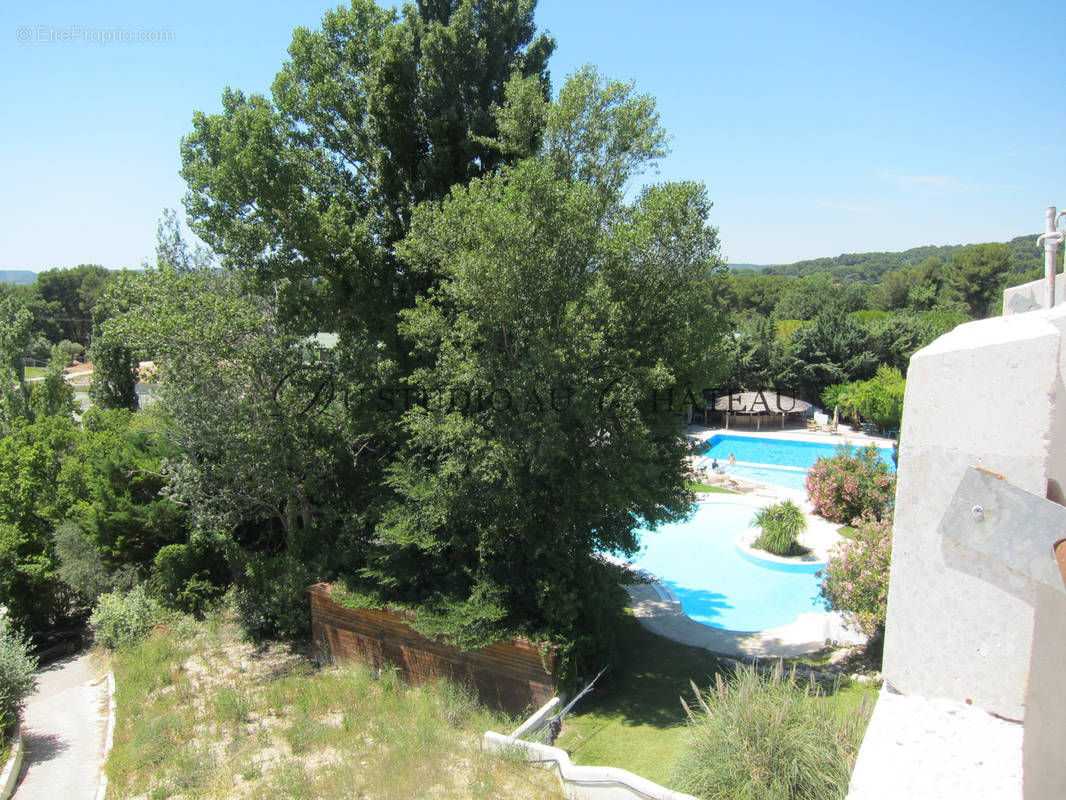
x: 819, y: 128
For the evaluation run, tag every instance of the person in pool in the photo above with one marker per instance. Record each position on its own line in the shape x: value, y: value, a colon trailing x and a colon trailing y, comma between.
x: 732, y: 459
x: 714, y: 465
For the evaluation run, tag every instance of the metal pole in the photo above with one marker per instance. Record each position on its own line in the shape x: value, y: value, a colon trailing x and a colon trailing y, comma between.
x: 1051, y: 239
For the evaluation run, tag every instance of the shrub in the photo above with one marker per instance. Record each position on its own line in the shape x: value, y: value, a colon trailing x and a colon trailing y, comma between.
x: 121, y: 618
x: 763, y: 737
x: 16, y: 673
x: 80, y: 565
x: 855, y: 580
x: 850, y: 486
x: 781, y: 525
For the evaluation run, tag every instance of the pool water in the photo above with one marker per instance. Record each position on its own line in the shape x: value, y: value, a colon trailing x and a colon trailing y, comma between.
x: 715, y: 584
x: 778, y: 452
x: 788, y: 478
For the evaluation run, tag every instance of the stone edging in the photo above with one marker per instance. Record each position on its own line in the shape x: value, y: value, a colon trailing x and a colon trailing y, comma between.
x: 101, y: 787
x: 10, y: 775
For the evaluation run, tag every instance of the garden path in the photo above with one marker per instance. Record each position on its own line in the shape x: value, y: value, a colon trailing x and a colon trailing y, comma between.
x: 63, y: 728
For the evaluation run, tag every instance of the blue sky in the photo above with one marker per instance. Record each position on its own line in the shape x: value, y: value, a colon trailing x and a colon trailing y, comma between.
x: 819, y: 128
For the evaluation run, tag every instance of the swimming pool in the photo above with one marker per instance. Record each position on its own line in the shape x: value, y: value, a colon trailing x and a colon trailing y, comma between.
x: 715, y: 584
x: 788, y: 478
x: 779, y: 452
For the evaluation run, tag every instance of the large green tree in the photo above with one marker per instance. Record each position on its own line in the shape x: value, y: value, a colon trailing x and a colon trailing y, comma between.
x: 832, y: 349
x: 373, y: 114
x: 71, y: 295
x: 978, y: 274
x: 566, y: 332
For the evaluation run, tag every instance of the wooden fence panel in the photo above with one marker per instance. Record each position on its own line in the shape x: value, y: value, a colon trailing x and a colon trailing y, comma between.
x: 506, y: 675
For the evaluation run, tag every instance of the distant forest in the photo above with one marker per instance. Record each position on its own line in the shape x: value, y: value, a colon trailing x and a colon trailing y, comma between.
x: 870, y: 268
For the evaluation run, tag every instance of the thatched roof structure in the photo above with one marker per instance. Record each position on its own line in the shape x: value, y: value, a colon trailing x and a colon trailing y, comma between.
x: 767, y: 403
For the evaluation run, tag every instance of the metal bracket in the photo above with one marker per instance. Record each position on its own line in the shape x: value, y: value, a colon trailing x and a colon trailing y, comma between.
x: 1002, y: 534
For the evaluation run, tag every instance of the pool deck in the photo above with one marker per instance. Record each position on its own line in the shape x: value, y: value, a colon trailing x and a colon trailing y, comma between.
x: 653, y: 603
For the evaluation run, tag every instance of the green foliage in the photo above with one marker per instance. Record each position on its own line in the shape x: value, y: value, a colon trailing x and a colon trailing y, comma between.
x: 855, y: 580
x: 189, y: 576
x: 489, y: 533
x: 864, y: 267
x: 15, y: 323
x: 781, y: 525
x: 832, y: 349
x: 118, y: 492
x: 270, y: 598
x: 32, y: 503
x: 755, y: 353
x: 850, y: 486
x: 71, y: 296
x: 978, y: 274
x: 764, y: 737
x: 372, y: 114
x: 17, y: 673
x: 69, y: 351
x: 881, y: 398
x: 114, y: 376
x: 80, y: 565
x: 52, y: 395
x: 122, y: 618
x: 267, y: 459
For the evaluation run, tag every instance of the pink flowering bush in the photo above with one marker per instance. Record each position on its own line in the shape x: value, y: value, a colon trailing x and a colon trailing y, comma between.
x: 855, y: 580
x: 850, y: 486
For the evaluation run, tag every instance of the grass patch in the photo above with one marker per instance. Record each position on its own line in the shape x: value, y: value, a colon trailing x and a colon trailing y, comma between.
x: 847, y: 531
x: 34, y: 372
x: 634, y: 718
x: 202, y: 714
x: 692, y: 486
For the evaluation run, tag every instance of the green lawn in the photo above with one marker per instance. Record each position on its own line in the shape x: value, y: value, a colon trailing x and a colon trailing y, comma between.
x: 34, y: 372
x: 703, y: 487
x: 847, y: 531
x: 634, y: 719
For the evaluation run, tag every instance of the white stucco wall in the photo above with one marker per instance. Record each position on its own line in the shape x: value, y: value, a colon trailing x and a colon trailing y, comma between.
x: 987, y: 394
x: 1033, y: 293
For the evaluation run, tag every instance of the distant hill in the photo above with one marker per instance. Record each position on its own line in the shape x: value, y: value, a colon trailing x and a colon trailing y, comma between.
x: 20, y: 276
x: 870, y: 267
x: 747, y: 266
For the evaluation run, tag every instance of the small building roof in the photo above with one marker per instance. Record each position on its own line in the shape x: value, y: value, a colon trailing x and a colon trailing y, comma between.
x: 762, y: 402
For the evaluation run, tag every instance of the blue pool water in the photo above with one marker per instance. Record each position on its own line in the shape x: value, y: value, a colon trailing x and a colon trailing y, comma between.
x: 779, y: 452
x: 716, y: 585
x: 788, y: 478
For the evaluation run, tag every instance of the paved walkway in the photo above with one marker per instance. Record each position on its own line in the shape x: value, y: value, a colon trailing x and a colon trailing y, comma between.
x: 63, y: 729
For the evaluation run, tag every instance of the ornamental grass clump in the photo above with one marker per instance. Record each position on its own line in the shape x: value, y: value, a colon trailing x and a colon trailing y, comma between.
x: 855, y: 579
x: 765, y: 737
x: 781, y: 526
x: 851, y: 486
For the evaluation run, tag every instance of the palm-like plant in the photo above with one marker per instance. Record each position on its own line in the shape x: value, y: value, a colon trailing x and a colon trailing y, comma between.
x: 781, y: 525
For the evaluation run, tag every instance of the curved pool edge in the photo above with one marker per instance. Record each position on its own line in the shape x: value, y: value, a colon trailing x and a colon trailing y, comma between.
x: 745, y: 547
x: 657, y: 608
x: 809, y: 633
